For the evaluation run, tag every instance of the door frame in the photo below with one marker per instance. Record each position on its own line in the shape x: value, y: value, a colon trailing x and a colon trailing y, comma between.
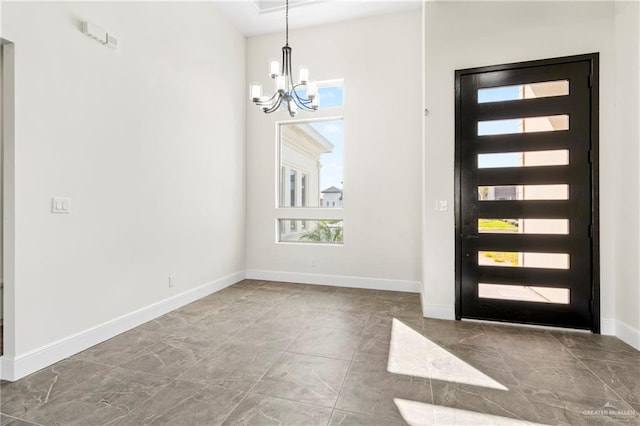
x: 593, y: 58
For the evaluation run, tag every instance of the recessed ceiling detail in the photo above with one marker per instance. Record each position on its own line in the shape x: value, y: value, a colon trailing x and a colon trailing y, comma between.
x: 256, y: 17
x: 267, y: 6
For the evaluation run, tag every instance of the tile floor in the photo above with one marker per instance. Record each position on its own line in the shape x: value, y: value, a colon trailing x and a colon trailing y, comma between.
x: 275, y: 353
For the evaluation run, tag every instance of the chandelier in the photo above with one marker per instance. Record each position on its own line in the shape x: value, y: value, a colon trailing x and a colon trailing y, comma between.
x: 288, y: 95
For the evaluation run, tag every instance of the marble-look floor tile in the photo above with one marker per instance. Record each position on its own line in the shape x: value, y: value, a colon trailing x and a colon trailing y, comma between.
x: 372, y: 347
x: 185, y: 403
x: 397, y: 296
x: 339, y: 319
x: 345, y: 418
x: 121, y: 348
x: 563, y: 379
x: 170, y: 357
x: 37, y: 389
x: 327, y: 342
x: 100, y: 400
x: 622, y: 377
x: 262, y: 410
x: 380, y: 324
x: 599, y: 347
x: 264, y: 337
x: 358, y: 291
x: 508, y: 404
x: 175, y: 322
x: 448, y: 332
x: 573, y: 409
x: 486, y: 360
x: 13, y: 421
x: 233, y: 366
x: 369, y: 389
x: 397, y: 309
x: 304, y: 378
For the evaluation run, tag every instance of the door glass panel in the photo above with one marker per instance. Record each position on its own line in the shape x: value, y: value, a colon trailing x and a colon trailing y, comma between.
x: 523, y: 192
x: 523, y: 226
x: 524, y: 91
x: 524, y: 293
x: 558, y: 157
x: 550, y: 123
x: 523, y: 259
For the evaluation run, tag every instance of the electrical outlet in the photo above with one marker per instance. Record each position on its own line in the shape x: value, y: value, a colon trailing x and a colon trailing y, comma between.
x: 172, y: 280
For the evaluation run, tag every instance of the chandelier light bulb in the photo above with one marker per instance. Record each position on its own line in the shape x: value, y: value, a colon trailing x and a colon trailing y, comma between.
x: 280, y: 83
x: 274, y: 68
x: 312, y: 90
x: 304, y: 75
x: 256, y: 92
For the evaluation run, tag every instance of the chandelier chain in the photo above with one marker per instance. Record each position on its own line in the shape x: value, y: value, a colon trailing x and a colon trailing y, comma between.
x: 287, y: 22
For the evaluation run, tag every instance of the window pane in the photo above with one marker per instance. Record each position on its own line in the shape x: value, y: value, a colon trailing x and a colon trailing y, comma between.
x: 523, y: 192
x: 550, y: 123
x: 310, y: 231
x: 311, y: 159
x: 559, y: 157
x: 524, y: 91
x: 523, y: 259
x: 292, y: 188
x: 524, y: 293
x: 330, y: 94
x: 523, y: 226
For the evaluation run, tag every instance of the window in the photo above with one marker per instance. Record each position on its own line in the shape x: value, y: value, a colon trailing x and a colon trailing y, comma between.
x: 310, y: 171
x: 292, y: 188
x: 312, y: 152
x: 317, y: 231
x: 303, y: 190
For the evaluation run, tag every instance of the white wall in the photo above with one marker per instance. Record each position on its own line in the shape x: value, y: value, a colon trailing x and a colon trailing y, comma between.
x: 462, y: 35
x: 627, y: 35
x: 145, y: 140
x: 380, y: 61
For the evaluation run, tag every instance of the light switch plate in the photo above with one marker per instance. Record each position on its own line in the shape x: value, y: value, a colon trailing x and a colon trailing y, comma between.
x: 441, y: 205
x: 61, y: 205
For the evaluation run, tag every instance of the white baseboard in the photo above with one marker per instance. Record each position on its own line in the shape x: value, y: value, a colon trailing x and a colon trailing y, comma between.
x: 336, y: 280
x: 628, y: 334
x: 446, y: 312
x: 608, y: 326
x: 14, y: 368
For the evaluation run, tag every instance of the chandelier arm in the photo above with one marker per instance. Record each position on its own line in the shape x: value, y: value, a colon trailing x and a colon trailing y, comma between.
x: 302, y: 103
x: 302, y: 106
x: 274, y: 107
x: 266, y: 101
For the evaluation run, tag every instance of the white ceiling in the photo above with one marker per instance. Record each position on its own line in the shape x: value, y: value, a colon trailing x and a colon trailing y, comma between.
x: 254, y: 17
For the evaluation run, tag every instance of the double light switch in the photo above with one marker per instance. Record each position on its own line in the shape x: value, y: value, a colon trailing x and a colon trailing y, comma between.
x: 61, y: 205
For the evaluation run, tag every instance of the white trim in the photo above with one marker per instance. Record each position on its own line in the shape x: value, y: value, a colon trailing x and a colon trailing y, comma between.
x: 628, y: 334
x: 446, y: 312
x: 608, y: 326
x: 24, y: 364
x: 336, y: 280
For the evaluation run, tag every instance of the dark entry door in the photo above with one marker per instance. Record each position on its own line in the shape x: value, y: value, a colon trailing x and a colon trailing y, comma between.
x: 526, y: 193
